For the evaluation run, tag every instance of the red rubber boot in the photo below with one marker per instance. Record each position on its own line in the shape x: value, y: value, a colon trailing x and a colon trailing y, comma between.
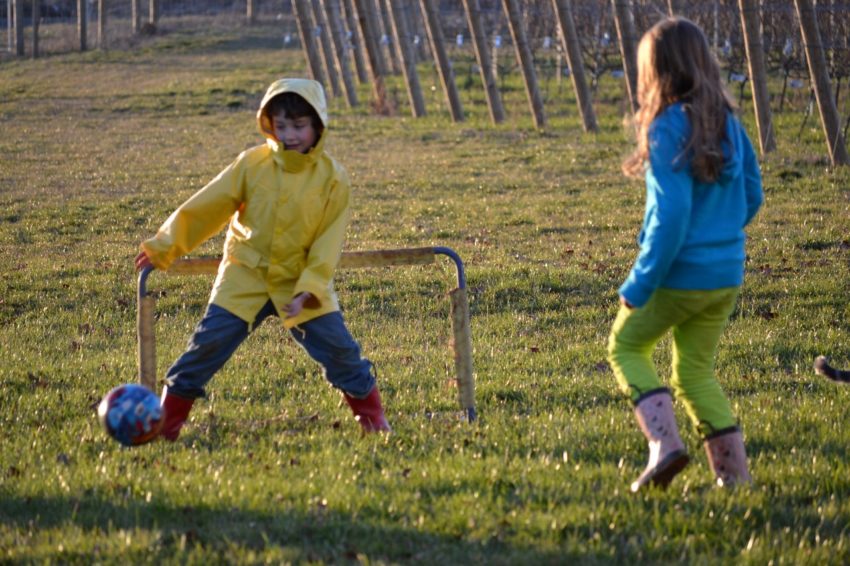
x: 369, y: 412
x: 176, y: 411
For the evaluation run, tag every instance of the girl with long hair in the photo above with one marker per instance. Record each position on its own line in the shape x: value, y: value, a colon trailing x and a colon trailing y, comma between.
x: 703, y: 186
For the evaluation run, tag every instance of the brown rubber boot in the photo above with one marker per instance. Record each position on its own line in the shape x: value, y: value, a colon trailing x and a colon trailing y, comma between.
x: 667, y: 454
x: 728, y: 457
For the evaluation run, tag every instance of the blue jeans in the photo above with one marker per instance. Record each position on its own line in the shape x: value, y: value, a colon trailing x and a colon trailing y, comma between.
x: 326, y: 339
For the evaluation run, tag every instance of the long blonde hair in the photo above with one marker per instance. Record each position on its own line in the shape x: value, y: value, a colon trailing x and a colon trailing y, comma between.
x: 675, y: 64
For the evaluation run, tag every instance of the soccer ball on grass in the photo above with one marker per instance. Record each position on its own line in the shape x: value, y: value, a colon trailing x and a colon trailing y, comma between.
x: 131, y: 414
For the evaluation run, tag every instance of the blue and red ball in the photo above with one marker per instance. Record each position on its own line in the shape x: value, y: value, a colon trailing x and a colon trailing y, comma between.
x: 131, y: 414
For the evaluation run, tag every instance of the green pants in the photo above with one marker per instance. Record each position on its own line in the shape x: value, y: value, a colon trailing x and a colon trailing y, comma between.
x: 697, y: 319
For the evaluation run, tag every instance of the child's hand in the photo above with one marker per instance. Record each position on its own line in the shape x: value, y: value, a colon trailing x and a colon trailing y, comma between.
x: 142, y: 261
x: 625, y: 302
x: 296, y: 305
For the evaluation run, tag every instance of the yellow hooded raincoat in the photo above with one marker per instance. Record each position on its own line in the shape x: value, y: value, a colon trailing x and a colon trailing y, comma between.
x: 287, y: 215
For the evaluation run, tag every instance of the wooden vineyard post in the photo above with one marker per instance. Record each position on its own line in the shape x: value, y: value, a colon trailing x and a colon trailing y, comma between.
x: 412, y: 15
x: 574, y: 59
x: 430, y: 15
x: 357, y: 45
x: 331, y: 9
x: 36, y: 17
x: 18, y: 9
x: 136, y: 15
x: 404, y: 41
x: 308, y: 43
x: 526, y: 61
x: 82, y: 24
x: 626, y: 34
x: 482, y: 56
x: 385, y: 27
x: 820, y: 79
x: 101, y: 24
x: 758, y: 75
x: 320, y: 29
x: 366, y: 19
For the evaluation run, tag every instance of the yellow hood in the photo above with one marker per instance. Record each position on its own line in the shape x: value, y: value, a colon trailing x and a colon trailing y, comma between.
x: 308, y: 89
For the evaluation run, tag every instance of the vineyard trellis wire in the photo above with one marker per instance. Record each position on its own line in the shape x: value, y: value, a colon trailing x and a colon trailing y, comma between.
x: 474, y: 34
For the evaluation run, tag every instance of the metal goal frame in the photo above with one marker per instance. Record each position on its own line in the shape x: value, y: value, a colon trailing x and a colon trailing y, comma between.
x: 459, y: 314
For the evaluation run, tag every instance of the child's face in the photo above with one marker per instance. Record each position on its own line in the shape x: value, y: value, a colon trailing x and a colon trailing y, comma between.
x: 297, y: 134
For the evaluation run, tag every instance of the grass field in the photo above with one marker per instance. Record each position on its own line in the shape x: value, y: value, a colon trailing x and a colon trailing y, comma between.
x: 98, y: 148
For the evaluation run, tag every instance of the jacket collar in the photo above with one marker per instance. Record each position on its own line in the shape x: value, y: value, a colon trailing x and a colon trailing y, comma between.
x: 293, y: 161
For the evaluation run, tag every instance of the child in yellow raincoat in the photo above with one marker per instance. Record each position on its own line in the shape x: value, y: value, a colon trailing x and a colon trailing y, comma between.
x: 286, y: 205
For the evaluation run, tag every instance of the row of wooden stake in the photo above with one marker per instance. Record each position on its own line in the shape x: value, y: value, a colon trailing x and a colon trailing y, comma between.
x: 327, y: 58
x: 16, y: 7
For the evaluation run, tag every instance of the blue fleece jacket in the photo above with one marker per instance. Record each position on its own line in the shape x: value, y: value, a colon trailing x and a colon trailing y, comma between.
x: 693, y: 232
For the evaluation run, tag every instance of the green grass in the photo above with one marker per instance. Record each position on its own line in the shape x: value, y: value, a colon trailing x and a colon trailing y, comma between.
x: 98, y: 148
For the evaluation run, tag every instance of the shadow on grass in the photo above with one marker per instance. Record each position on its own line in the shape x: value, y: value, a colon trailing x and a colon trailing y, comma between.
x: 317, y: 535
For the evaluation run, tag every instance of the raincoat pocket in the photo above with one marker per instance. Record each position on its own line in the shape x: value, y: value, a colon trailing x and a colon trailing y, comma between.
x: 243, y: 255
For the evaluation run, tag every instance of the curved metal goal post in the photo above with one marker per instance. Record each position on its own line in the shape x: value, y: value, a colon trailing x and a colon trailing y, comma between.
x: 462, y: 336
